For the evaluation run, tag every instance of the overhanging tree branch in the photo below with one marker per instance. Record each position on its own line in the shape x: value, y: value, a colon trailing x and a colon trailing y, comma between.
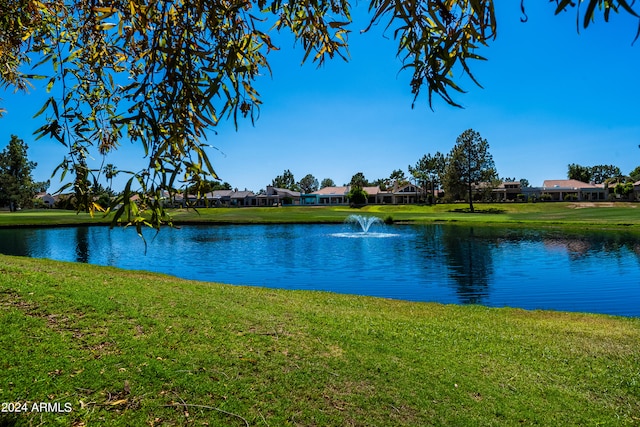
x: 160, y: 73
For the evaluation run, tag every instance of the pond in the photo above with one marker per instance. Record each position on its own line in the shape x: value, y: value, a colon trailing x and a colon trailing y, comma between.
x: 596, y: 272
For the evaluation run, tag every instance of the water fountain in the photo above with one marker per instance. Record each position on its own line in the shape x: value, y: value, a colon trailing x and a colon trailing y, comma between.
x: 364, y: 222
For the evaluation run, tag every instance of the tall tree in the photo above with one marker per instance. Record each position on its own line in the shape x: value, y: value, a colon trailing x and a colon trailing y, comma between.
x: 471, y: 162
x: 162, y: 72
x: 383, y: 183
x: 357, y: 195
x: 452, y: 182
x: 17, y: 188
x: 398, y: 178
x: 420, y: 173
x: 327, y: 182
x: 603, y: 173
x: 110, y: 172
x: 308, y: 184
x: 358, y: 180
x: 597, y: 174
x: 286, y: 180
x: 429, y: 170
x: 635, y: 174
x: 578, y: 172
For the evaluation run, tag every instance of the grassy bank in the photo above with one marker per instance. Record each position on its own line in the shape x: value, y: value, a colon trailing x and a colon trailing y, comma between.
x: 49, y: 217
x: 133, y: 348
x: 616, y: 215
x: 600, y: 215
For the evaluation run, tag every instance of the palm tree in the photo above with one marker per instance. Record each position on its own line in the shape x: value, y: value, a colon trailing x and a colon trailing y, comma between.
x: 110, y: 171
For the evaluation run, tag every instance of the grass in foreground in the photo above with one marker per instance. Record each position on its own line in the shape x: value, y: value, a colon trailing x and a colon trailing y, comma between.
x: 134, y: 348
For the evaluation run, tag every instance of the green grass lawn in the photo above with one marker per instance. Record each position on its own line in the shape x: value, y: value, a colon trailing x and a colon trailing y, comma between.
x: 126, y: 348
x: 135, y: 348
x: 49, y: 217
x: 619, y: 214
x: 540, y: 214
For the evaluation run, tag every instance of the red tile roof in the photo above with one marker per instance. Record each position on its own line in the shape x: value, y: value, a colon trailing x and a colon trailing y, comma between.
x: 567, y: 183
x: 372, y: 191
x: 333, y: 191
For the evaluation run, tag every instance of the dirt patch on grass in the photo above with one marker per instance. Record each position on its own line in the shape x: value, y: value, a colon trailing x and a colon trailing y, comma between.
x: 582, y: 205
x: 10, y: 298
x: 479, y: 211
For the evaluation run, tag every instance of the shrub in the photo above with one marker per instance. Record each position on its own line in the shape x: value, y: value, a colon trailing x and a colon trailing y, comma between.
x: 357, y: 196
x: 38, y: 204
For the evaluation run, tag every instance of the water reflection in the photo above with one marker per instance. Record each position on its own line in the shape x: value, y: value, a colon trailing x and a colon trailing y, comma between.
x: 579, y: 247
x: 16, y: 242
x: 82, y: 244
x: 469, y: 258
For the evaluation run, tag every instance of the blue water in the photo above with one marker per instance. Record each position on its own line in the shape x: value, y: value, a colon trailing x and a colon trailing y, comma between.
x: 595, y: 272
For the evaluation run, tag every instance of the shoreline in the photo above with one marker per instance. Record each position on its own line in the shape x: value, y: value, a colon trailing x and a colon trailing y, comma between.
x: 619, y: 216
x: 130, y: 348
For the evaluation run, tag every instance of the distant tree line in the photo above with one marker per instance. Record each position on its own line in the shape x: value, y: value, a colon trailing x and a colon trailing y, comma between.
x: 17, y: 187
x: 466, y: 173
x: 609, y: 175
x: 468, y: 164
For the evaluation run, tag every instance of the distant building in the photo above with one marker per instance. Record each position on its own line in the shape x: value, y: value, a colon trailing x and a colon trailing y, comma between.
x: 283, y: 196
x: 636, y: 190
x: 399, y: 195
x: 558, y: 190
x: 572, y: 189
x: 505, y: 191
x: 47, y: 199
x: 328, y: 196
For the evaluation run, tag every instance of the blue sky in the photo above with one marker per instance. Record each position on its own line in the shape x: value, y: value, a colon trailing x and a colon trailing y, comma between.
x: 551, y: 97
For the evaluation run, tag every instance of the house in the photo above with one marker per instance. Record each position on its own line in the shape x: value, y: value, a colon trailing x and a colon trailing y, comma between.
x: 492, y: 191
x: 243, y: 198
x: 568, y: 189
x: 283, y: 196
x: 373, y: 194
x: 399, y: 195
x: 219, y: 198
x: 268, y: 198
x: 216, y: 198
x: 47, y: 199
x: 636, y: 190
x: 507, y: 191
x: 328, y: 196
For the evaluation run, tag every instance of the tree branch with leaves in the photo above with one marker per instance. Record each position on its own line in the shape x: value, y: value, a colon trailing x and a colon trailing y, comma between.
x: 162, y: 73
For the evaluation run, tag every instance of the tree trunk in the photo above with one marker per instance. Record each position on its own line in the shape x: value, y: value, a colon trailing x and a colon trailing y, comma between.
x: 433, y: 193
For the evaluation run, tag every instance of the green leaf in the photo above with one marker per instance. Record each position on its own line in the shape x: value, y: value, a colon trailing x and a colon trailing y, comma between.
x: 628, y: 8
x: 44, y: 107
x: 563, y: 4
x: 588, y: 14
